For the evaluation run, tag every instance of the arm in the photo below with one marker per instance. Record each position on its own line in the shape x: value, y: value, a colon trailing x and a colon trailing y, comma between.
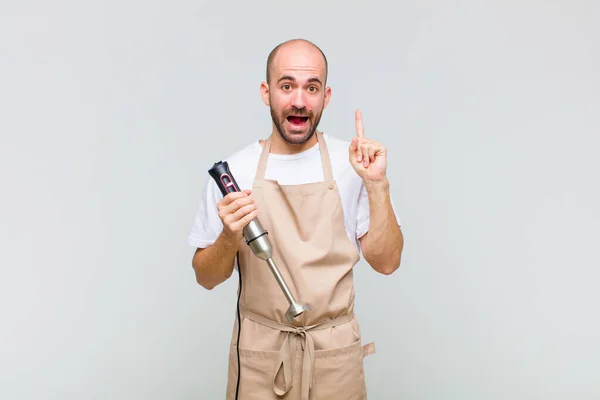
x: 214, y: 264
x: 382, y: 245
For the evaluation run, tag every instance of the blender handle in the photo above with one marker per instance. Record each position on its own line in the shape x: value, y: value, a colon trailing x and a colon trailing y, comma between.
x: 222, y: 175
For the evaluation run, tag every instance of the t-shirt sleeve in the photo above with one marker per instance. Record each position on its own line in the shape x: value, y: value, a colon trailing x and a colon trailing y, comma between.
x: 207, y: 225
x: 363, y: 215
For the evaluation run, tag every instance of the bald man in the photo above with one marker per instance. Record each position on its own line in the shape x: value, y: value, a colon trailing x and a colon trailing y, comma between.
x: 323, y: 200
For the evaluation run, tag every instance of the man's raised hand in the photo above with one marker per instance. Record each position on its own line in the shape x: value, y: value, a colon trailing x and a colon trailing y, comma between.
x: 367, y: 156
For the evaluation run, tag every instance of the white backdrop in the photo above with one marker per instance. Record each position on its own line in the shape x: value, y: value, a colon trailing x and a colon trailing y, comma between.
x: 112, y: 112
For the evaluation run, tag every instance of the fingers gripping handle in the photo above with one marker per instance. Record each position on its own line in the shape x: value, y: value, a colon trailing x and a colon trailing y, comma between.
x: 227, y: 184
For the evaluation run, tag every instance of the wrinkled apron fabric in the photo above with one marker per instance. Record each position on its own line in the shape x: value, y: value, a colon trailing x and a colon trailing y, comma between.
x: 319, y: 355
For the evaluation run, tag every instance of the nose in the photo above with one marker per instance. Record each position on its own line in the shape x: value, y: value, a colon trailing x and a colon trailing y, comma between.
x: 298, y: 99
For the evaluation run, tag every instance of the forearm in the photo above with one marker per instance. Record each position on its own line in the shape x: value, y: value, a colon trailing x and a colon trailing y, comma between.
x: 214, y: 264
x: 384, y: 242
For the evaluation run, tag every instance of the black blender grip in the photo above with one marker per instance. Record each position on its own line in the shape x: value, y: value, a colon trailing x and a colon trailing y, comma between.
x: 222, y: 176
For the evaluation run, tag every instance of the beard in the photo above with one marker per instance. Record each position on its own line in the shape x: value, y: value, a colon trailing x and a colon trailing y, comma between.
x: 289, y: 133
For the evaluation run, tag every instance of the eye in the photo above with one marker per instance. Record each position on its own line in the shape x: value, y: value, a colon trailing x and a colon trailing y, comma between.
x: 286, y: 86
x: 313, y: 88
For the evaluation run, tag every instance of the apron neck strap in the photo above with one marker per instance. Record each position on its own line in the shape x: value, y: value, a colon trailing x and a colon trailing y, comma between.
x: 325, y: 160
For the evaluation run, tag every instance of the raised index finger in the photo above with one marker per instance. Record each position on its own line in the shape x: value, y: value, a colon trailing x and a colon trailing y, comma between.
x: 360, y: 131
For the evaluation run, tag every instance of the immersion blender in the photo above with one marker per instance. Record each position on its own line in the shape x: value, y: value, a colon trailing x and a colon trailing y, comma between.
x: 256, y: 237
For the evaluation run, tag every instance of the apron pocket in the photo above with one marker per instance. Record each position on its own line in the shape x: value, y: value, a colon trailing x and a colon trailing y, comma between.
x: 257, y: 368
x: 339, y: 373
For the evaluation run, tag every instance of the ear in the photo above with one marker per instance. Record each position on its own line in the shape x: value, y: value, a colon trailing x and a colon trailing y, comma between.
x: 264, y: 93
x: 327, y: 96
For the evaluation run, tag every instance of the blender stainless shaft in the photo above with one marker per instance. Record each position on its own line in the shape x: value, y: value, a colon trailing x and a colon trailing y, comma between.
x: 257, y: 238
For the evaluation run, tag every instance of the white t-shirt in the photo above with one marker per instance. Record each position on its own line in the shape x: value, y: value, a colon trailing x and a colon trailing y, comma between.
x: 294, y: 169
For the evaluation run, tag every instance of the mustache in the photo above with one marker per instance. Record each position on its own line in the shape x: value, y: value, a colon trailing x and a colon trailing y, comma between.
x: 299, y: 112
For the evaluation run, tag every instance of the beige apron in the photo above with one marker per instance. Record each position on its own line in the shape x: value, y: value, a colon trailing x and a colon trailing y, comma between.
x: 319, y: 355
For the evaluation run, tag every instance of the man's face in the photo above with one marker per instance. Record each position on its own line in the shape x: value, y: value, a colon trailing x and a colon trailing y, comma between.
x: 297, y: 94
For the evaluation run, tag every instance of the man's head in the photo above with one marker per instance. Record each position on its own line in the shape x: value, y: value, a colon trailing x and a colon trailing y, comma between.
x: 295, y: 89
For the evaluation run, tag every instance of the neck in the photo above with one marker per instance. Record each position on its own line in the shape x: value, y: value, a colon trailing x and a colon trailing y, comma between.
x: 280, y: 146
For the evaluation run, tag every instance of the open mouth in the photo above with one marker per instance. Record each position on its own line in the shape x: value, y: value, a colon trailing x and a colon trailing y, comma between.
x: 297, y: 120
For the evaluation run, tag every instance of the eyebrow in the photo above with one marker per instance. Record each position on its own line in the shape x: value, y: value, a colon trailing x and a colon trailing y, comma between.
x: 291, y: 78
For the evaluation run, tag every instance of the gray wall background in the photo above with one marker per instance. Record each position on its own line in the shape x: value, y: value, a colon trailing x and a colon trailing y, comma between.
x: 112, y: 112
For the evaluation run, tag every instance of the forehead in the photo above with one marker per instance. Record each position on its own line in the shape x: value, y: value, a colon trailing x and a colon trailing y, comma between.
x: 299, y: 61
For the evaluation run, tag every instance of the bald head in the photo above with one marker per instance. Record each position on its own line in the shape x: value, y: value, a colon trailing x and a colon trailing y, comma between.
x: 298, y: 52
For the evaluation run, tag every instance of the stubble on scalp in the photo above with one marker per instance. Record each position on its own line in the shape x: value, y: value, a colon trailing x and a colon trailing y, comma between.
x: 273, y: 55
